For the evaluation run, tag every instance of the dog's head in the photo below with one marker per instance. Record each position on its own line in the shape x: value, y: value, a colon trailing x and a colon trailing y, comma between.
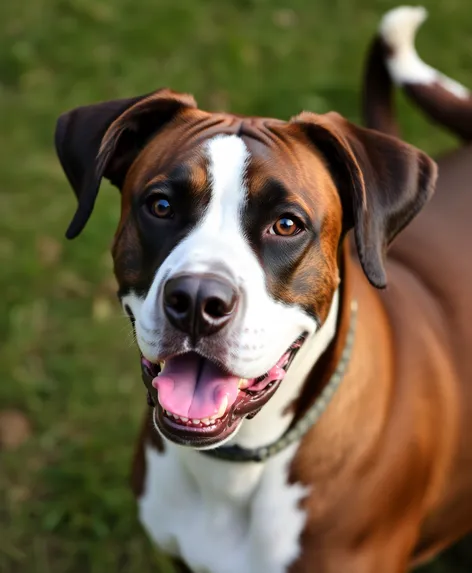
x: 226, y: 252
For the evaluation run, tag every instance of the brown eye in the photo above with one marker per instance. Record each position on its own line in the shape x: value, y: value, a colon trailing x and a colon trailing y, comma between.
x: 286, y: 227
x: 161, y: 208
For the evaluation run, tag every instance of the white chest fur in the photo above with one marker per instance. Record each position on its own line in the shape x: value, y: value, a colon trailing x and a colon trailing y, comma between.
x: 225, y: 517
x: 222, y: 517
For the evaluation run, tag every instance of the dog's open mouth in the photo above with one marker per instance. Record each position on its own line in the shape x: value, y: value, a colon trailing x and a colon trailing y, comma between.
x: 200, y: 404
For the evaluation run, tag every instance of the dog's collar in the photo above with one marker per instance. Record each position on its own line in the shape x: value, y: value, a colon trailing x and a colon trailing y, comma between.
x: 311, y: 417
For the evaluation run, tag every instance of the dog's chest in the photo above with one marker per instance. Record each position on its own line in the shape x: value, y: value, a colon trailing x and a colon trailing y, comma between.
x: 222, y: 517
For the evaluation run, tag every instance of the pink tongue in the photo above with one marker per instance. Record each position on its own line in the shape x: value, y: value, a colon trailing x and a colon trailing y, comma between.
x: 193, y: 387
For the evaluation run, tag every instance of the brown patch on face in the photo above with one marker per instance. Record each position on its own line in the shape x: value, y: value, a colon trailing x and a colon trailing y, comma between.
x: 288, y: 178
x: 128, y: 258
x: 196, y: 173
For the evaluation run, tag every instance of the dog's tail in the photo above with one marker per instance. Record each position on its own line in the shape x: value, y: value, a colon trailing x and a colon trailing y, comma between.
x: 393, y: 61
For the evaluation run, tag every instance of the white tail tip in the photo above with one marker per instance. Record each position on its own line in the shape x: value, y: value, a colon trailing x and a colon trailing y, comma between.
x: 398, y: 27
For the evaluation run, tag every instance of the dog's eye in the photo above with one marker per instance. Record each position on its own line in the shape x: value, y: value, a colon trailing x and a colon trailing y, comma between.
x: 161, y: 208
x: 286, y: 226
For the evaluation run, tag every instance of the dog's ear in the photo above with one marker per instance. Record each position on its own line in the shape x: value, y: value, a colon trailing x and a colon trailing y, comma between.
x: 383, y: 183
x: 102, y: 140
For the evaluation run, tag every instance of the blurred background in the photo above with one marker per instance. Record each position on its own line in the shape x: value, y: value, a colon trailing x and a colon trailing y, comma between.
x: 71, y: 397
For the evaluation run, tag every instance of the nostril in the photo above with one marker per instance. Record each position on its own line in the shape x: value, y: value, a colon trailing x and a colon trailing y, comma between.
x: 179, y: 302
x: 216, y: 308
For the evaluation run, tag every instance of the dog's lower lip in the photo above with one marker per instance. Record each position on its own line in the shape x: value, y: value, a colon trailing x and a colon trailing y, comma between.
x: 195, y: 436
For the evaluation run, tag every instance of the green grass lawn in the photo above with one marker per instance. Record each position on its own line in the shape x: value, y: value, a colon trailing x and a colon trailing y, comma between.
x: 67, y: 361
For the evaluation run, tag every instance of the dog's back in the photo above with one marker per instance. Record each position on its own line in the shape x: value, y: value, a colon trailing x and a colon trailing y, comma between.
x: 434, y: 251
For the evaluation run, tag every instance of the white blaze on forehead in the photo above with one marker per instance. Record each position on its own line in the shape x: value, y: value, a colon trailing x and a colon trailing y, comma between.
x: 228, y: 157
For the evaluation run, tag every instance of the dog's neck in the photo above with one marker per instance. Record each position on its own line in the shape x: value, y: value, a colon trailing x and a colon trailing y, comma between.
x: 277, y: 415
x: 218, y: 480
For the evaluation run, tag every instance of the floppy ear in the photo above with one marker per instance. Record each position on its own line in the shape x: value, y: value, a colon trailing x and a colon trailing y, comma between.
x: 383, y: 183
x: 102, y: 140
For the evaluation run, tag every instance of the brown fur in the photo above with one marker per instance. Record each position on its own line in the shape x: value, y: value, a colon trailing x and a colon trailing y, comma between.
x: 389, y: 463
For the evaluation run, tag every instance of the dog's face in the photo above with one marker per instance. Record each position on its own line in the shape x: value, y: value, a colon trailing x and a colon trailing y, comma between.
x: 234, y: 261
x: 227, y: 247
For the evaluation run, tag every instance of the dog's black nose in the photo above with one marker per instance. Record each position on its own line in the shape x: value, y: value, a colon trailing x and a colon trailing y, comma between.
x: 199, y: 305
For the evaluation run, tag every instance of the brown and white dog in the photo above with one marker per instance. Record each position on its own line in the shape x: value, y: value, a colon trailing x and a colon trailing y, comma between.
x: 233, y: 264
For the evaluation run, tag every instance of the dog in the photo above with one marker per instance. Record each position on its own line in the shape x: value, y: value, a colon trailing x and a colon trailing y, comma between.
x: 303, y: 417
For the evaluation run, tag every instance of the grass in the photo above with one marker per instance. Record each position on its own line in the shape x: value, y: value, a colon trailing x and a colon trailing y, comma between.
x: 66, y: 356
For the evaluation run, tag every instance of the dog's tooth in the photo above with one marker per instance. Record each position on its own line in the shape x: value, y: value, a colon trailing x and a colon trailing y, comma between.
x: 243, y: 383
x: 206, y: 421
x: 195, y: 422
x: 183, y: 419
x: 223, y: 407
